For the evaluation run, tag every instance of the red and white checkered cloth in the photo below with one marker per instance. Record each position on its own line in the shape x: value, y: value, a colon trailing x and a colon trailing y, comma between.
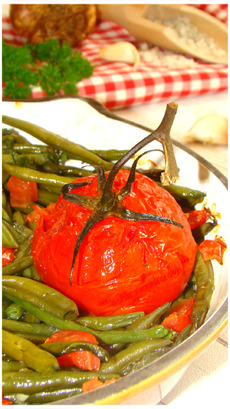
x: 118, y: 85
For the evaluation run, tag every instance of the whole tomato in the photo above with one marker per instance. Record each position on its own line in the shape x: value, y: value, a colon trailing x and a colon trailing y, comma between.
x: 121, y: 265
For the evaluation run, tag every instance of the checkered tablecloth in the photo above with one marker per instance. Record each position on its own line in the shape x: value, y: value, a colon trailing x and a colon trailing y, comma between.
x: 118, y: 85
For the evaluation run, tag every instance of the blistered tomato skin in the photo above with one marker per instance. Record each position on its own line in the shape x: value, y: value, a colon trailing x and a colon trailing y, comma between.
x: 121, y: 266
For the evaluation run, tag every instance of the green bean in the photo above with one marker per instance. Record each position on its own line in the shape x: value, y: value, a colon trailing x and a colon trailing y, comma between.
x: 60, y: 348
x: 203, y: 272
x: 131, y: 354
x: 19, y: 218
x: 109, y: 154
x: 3, y: 199
x: 5, y: 303
x: 190, y: 290
x: 52, y: 139
x: 144, y: 360
x: 52, y: 396
x: 6, y: 216
x: 32, y: 175
x: 27, y: 273
x: 28, y: 209
x: 14, y: 136
x: 148, y: 320
x: 23, y: 230
x: 66, y: 170
x: 23, y: 350
x: 42, y: 296
x: 8, y: 237
x: 14, y: 311
x: 201, y: 231
x: 30, y: 383
x: 7, y: 158
x: 23, y: 250
x: 30, y: 318
x: 186, y: 197
x: 34, y: 274
x: 28, y: 160
x: 109, y: 323
x: 7, y: 207
x: 36, y: 339
x: 154, y: 174
x: 11, y: 228
x: 12, y: 366
x: 28, y: 328
x: 29, y: 148
x: 45, y: 197
x: 17, y: 266
x: 109, y: 337
x: 182, y: 336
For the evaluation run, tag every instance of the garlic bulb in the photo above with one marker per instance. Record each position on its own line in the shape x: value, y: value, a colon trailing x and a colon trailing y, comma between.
x: 212, y: 129
x: 122, y: 51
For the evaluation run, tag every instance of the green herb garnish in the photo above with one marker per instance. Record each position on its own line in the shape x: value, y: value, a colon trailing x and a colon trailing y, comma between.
x: 53, y: 67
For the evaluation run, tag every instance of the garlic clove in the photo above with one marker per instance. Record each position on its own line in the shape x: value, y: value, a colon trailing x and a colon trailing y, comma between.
x: 212, y: 129
x: 122, y: 51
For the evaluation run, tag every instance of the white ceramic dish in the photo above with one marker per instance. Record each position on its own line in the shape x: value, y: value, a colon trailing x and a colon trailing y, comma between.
x: 89, y: 123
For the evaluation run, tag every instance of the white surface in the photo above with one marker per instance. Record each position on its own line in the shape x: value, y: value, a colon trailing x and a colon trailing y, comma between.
x: 206, y: 381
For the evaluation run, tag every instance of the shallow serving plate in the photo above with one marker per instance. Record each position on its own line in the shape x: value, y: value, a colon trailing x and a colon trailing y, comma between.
x: 90, y: 124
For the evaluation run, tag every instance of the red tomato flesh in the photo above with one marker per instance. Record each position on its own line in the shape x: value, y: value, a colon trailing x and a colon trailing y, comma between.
x: 22, y: 192
x: 179, y: 317
x: 70, y: 335
x: 6, y: 401
x: 213, y: 249
x: 121, y: 266
x: 82, y: 359
x: 7, y: 255
x: 197, y: 217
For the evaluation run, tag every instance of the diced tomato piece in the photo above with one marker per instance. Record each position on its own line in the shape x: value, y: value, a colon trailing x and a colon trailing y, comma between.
x: 33, y: 217
x: 6, y: 401
x: 22, y: 192
x: 82, y: 359
x: 197, y: 217
x: 213, y: 249
x: 7, y: 255
x: 95, y: 383
x: 184, y: 307
x: 179, y: 317
x: 68, y: 335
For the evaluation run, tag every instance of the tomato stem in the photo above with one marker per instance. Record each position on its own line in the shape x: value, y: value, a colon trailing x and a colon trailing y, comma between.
x: 107, y: 203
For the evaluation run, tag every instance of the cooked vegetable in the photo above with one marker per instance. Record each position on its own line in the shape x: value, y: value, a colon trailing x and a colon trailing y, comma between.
x: 22, y: 192
x: 25, y: 351
x: 132, y: 353
x: 179, y: 317
x: 17, y: 265
x: 63, y: 348
x: 108, y: 323
x: 145, y: 267
x: 40, y: 295
x: 203, y: 272
x: 7, y: 255
x: 213, y: 249
x: 31, y: 382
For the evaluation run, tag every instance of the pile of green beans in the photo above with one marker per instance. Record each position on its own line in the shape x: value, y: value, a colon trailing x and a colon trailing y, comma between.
x: 32, y: 311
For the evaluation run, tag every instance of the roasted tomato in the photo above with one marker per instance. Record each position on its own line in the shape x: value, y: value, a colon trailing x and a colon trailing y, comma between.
x: 121, y: 265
